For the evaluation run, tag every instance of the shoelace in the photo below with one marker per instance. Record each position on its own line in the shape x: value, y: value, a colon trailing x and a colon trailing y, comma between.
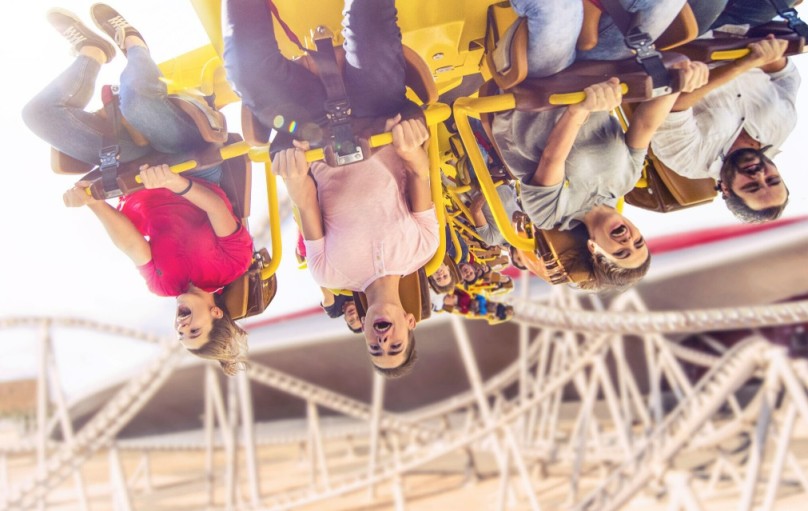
x: 120, y: 25
x: 74, y: 36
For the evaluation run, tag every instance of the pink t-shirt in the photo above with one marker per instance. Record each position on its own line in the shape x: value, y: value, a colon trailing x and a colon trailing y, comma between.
x: 369, y: 229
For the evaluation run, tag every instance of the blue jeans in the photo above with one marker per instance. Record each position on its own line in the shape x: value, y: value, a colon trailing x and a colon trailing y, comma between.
x: 554, y: 25
x: 752, y: 12
x: 278, y: 90
x: 57, y: 114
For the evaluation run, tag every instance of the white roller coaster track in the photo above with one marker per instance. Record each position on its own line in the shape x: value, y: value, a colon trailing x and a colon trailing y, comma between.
x: 434, y: 441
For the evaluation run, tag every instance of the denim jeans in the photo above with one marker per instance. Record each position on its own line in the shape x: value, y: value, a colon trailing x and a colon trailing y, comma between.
x: 278, y: 90
x: 752, y: 12
x: 57, y: 114
x: 554, y: 25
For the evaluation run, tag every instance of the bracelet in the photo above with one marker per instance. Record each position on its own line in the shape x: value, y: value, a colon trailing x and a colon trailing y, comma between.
x: 187, y: 188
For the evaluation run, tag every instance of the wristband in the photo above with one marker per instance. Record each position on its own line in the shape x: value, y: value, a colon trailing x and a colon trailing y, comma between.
x: 187, y: 188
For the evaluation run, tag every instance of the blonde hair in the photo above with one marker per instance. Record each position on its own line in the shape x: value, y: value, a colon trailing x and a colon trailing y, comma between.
x: 227, y: 343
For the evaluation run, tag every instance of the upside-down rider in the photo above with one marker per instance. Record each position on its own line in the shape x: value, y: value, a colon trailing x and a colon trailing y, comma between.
x: 195, y: 244
x: 366, y: 224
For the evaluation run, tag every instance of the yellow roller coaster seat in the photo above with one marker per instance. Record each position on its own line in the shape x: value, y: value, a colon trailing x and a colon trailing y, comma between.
x: 664, y: 190
x: 506, y: 56
x: 250, y: 294
x: 562, y: 255
x: 683, y: 29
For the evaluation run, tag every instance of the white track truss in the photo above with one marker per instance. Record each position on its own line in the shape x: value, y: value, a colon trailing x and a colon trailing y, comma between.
x: 598, y: 399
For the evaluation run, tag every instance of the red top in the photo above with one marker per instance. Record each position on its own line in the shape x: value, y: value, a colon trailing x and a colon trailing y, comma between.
x: 184, y: 248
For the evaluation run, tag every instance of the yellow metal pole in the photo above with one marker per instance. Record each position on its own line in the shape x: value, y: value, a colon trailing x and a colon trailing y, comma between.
x: 729, y: 54
x: 274, y: 222
x: 464, y: 107
x: 573, y: 98
x: 437, y: 200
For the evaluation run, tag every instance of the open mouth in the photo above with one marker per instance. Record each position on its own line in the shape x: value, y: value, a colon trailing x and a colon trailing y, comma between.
x: 618, y: 231
x: 382, y: 325
x: 183, y: 312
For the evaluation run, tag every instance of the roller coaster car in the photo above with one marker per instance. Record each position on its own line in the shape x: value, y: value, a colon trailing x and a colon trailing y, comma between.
x: 418, y: 78
x: 557, y: 259
x: 413, y: 289
x: 251, y: 293
x: 506, y: 44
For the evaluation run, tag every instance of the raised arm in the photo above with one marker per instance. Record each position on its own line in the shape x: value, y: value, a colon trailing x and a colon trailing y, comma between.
x: 409, y: 137
x: 602, y: 96
x: 291, y: 165
x: 766, y: 54
x: 649, y: 115
x: 120, y: 229
x: 219, y: 216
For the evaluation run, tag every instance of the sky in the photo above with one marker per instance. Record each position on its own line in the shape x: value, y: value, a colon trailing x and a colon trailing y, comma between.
x: 58, y: 262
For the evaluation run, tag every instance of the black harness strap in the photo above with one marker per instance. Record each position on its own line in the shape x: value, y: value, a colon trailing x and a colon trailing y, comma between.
x: 346, y: 147
x: 110, y: 150
x: 790, y: 15
x: 343, y: 147
x: 642, y: 44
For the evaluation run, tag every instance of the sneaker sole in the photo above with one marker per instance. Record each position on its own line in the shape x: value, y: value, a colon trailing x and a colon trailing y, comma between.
x: 103, y: 44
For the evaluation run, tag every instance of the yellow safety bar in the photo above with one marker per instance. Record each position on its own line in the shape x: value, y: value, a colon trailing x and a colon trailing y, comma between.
x: 573, y: 98
x: 729, y: 54
x: 434, y: 114
x: 463, y: 108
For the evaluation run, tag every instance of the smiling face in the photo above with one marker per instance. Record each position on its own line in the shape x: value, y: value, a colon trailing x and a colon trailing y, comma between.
x: 442, y: 276
x: 387, y: 329
x: 618, y: 239
x: 194, y: 318
x: 467, y: 272
x: 754, y: 178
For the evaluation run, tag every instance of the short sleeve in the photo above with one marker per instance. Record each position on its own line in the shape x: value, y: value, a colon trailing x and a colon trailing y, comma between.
x: 428, y: 226
x: 541, y: 203
x: 238, y: 247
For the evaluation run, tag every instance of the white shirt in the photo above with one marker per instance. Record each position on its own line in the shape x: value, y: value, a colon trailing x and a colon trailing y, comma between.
x: 694, y: 142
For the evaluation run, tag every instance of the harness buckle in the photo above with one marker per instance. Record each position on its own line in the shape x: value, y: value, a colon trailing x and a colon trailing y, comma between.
x: 651, y: 60
x: 108, y: 157
x: 794, y: 21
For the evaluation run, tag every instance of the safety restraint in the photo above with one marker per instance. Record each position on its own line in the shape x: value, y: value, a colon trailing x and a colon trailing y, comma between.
x: 110, y: 150
x: 790, y: 15
x: 342, y: 146
x: 642, y: 44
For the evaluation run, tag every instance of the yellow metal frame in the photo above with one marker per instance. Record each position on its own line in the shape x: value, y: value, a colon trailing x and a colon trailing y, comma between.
x: 463, y: 109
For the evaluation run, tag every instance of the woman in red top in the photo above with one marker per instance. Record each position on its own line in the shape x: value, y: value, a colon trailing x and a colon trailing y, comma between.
x: 180, y: 231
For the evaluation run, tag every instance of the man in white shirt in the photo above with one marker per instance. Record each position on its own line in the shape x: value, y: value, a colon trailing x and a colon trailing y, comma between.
x: 730, y: 128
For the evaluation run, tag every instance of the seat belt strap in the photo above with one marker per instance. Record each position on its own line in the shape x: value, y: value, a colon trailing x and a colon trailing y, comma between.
x: 337, y: 106
x: 288, y: 31
x: 642, y: 44
x: 110, y: 148
x: 792, y: 18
